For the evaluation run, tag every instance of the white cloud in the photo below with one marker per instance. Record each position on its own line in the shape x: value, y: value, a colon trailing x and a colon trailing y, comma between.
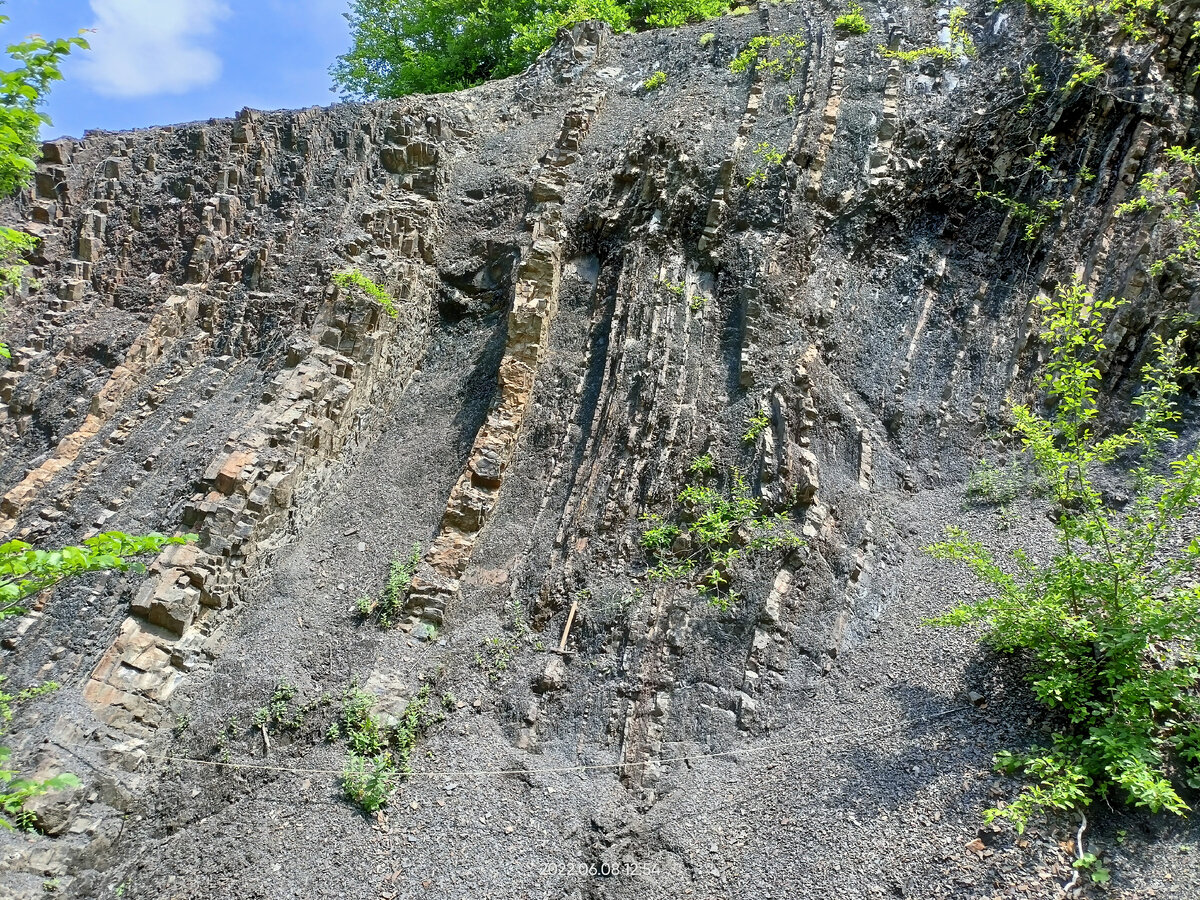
x: 145, y: 47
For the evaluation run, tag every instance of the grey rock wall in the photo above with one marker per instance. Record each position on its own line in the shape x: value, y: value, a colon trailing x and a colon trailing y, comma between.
x: 590, y: 295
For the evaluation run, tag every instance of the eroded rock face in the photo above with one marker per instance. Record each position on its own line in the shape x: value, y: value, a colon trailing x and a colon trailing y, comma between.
x: 589, y: 296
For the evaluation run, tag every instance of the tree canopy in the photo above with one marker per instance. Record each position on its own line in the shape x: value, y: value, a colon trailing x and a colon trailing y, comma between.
x: 429, y: 46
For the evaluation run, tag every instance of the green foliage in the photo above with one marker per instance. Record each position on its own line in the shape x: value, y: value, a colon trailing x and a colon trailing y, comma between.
x: 1090, y: 863
x: 777, y: 54
x: 23, y: 90
x: 24, y: 570
x: 1087, y: 69
x: 1110, y: 626
x: 402, y: 47
x: 8, y: 701
x: 1070, y: 19
x: 961, y: 43
x: 770, y: 156
x: 1035, y: 217
x: 1170, y: 190
x: 14, y: 792
x: 279, y: 713
x: 1035, y: 88
x: 369, y: 781
x: 853, y: 20
x: 673, y: 13
x: 702, y: 466
x: 755, y: 425
x: 716, y: 531
x: 495, y: 656
x: 379, y: 752
x: 356, y: 279
x: 657, y: 80
x: 536, y: 34
x: 707, y: 38
x: 389, y: 606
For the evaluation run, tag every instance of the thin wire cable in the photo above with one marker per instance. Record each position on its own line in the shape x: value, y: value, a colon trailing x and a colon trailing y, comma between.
x: 591, y: 767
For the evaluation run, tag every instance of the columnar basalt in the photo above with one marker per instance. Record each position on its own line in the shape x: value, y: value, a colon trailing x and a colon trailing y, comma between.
x: 597, y: 299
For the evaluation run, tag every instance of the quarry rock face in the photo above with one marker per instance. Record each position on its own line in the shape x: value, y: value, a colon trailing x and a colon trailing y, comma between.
x: 593, y: 288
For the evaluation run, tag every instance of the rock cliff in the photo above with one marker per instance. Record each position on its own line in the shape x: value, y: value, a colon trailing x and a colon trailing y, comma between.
x: 594, y: 288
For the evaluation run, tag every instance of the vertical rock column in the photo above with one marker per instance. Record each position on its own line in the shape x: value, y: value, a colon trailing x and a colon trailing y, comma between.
x: 535, y: 302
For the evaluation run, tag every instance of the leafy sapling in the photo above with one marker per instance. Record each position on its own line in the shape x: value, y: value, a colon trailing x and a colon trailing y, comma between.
x: 1109, y: 626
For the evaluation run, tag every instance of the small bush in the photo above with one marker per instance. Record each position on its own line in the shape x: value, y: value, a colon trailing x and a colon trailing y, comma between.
x: 755, y: 425
x: 379, y: 753
x: 780, y: 55
x: 961, y: 43
x: 356, y: 279
x: 655, y: 81
x: 707, y: 38
x: 369, y: 782
x: 988, y: 483
x: 1110, y: 625
x: 718, y: 530
x: 853, y: 21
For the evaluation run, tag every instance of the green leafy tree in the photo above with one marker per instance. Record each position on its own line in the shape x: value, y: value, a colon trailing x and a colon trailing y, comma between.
x: 405, y: 47
x: 1110, y: 625
x: 23, y: 91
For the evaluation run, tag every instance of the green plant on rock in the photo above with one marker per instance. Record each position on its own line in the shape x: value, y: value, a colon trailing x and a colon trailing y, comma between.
x: 1035, y: 217
x: 755, y: 425
x: 1035, y: 88
x: 1170, y: 190
x: 369, y: 781
x: 379, y: 753
x: 702, y: 466
x: 356, y: 279
x: 401, y: 47
x: 1109, y: 626
x: 657, y: 80
x: 961, y: 43
x: 711, y: 532
x: 780, y: 55
x: 496, y: 655
x: 23, y: 92
x: 389, y: 606
x: 852, y: 21
x: 988, y: 483
x: 707, y: 38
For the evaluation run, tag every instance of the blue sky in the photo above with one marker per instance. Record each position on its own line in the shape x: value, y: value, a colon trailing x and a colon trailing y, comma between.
x: 161, y: 62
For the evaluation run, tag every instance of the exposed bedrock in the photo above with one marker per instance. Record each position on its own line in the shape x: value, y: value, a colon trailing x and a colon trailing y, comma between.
x: 592, y: 290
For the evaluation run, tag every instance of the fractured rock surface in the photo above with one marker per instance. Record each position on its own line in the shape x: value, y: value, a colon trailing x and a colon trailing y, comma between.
x: 589, y: 296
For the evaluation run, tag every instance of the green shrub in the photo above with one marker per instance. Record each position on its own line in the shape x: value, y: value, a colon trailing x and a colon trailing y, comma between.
x: 988, y: 483
x: 852, y: 21
x: 961, y: 43
x: 718, y: 530
x: 778, y: 54
x: 379, y: 753
x: 707, y: 38
x: 402, y: 47
x: 1170, y: 190
x: 755, y: 425
x: 369, y: 782
x: 356, y: 279
x: 1110, y: 625
x: 25, y: 570
x: 657, y: 80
